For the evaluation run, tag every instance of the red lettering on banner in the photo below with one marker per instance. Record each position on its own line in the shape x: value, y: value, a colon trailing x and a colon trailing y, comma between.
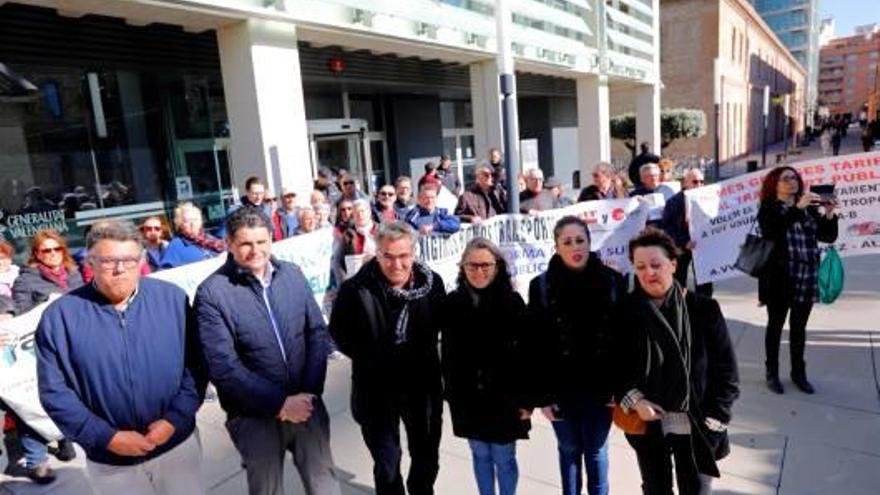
x: 814, y: 170
x: 618, y: 214
x: 856, y: 177
x: 590, y: 216
x: 755, y: 181
x: 731, y: 189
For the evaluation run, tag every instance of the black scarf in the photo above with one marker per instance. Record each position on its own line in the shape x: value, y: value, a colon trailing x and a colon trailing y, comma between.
x: 669, y: 349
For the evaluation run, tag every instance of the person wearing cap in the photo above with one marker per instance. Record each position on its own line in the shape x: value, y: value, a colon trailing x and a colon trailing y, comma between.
x: 288, y: 213
x: 538, y: 195
x: 325, y: 183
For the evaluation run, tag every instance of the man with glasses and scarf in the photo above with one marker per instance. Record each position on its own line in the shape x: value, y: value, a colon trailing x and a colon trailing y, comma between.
x: 385, y: 320
x: 120, y: 381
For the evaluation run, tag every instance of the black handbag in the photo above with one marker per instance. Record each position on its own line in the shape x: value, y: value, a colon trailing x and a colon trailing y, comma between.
x: 754, y: 253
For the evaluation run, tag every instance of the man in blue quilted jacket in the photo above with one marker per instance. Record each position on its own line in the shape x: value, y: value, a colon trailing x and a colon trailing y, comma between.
x: 265, y: 345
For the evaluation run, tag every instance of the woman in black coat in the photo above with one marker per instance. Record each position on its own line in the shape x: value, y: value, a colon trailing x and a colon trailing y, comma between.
x: 569, y: 344
x: 790, y: 217
x: 676, y: 370
x: 482, y: 322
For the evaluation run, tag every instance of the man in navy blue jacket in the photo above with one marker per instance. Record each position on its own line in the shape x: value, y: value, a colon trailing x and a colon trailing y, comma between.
x: 427, y: 218
x: 266, y: 346
x: 119, y: 374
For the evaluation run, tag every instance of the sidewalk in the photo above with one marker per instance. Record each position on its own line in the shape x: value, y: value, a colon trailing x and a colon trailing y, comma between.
x: 850, y: 144
x: 791, y: 444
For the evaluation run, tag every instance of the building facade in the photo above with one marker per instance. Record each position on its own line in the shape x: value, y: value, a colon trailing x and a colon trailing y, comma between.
x: 798, y: 24
x: 750, y: 57
x: 123, y: 108
x: 849, y: 74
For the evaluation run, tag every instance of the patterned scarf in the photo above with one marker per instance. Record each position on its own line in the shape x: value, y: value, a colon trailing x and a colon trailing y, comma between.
x: 204, y: 241
x: 422, y: 281
x: 58, y: 276
x: 803, y: 259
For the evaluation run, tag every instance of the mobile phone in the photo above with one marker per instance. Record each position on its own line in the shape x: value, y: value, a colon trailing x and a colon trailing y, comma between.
x: 825, y: 192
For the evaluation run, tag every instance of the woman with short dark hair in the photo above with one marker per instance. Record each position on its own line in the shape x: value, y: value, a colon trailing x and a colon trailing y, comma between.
x: 675, y: 369
x: 570, y: 312
x: 483, y: 319
x: 790, y: 217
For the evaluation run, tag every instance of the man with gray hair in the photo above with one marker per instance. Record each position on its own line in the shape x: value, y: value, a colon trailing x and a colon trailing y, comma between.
x: 265, y: 345
x: 483, y: 200
x: 120, y: 373
x: 386, y: 320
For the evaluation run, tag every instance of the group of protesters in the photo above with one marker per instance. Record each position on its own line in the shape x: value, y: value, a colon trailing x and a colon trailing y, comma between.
x: 124, y: 360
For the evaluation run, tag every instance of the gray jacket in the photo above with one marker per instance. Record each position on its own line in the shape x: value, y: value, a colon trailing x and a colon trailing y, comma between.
x: 31, y: 288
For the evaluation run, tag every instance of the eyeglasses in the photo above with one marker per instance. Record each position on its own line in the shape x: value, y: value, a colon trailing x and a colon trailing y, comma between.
x: 272, y: 199
x: 56, y: 249
x: 697, y: 181
x: 348, y: 183
x: 483, y: 267
x: 110, y: 263
x: 386, y: 193
x: 345, y: 208
x: 391, y: 258
x: 151, y: 228
x: 788, y: 178
x: 573, y: 241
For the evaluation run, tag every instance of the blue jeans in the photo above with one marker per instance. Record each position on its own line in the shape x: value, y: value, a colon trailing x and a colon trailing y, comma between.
x: 35, y: 449
x: 491, y: 459
x: 582, y: 437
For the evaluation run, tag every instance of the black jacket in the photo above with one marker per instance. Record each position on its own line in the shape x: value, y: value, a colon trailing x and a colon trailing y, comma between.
x: 714, y: 378
x: 362, y: 325
x: 674, y: 221
x: 568, y: 340
x: 481, y: 366
x: 31, y: 288
x: 774, y: 283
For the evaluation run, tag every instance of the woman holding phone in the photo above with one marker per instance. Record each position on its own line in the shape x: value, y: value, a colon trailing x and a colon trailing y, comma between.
x: 795, y: 220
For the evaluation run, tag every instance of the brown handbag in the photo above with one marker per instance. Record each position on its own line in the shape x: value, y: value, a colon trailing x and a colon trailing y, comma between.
x: 630, y: 423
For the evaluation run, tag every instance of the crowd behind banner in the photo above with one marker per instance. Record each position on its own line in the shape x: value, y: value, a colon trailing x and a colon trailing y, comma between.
x: 333, y: 234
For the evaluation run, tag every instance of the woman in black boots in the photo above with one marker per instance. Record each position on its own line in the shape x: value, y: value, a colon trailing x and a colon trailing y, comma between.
x: 791, y: 218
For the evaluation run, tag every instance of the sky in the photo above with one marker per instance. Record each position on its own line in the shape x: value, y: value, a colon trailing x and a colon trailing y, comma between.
x: 850, y: 13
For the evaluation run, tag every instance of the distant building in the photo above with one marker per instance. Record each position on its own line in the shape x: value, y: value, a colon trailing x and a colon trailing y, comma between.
x: 696, y: 32
x: 797, y: 24
x: 848, y: 73
x: 826, y: 31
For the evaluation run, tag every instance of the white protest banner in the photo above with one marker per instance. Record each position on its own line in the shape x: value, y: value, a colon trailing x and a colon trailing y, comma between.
x: 722, y: 214
x: 18, y: 377
x: 527, y: 240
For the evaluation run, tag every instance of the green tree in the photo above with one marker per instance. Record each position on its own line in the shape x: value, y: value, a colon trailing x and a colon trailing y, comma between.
x: 675, y: 123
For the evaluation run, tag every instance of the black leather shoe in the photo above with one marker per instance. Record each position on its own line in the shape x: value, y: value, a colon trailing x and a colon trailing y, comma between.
x: 41, y: 474
x: 801, y: 382
x: 774, y: 384
x: 65, y: 451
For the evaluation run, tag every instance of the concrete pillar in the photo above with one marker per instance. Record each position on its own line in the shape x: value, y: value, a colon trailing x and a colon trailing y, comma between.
x: 648, y: 116
x: 486, y: 108
x: 264, y: 100
x: 593, y: 134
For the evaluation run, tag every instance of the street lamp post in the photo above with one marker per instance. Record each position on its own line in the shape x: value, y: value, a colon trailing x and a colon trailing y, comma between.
x: 507, y: 85
x: 764, y: 133
x: 717, y: 101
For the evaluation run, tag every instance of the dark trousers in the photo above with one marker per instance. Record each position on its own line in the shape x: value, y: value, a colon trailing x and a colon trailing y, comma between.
x: 421, y: 416
x: 655, y: 453
x: 263, y: 442
x: 683, y: 268
x: 776, y: 314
